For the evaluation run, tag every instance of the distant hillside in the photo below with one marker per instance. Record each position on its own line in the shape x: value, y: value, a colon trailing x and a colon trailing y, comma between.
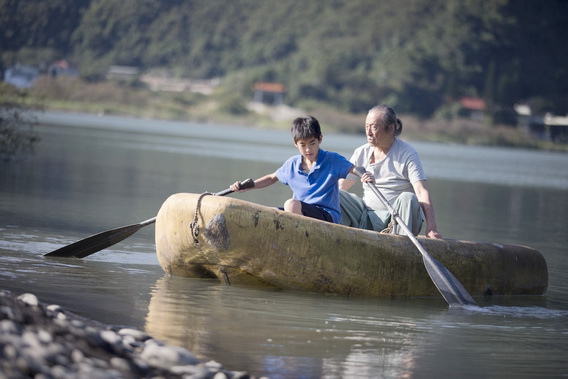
x: 419, y: 56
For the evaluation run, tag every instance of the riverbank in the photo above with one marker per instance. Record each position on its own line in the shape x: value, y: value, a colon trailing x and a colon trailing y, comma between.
x: 225, y: 107
x: 46, y: 341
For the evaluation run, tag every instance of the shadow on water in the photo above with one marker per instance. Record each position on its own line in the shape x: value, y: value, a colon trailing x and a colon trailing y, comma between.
x: 290, y: 334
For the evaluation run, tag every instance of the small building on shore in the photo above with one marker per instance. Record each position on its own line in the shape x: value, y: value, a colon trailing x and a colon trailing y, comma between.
x: 21, y: 75
x: 125, y: 73
x: 473, y: 108
x: 556, y: 127
x: 166, y: 83
x: 548, y: 127
x: 62, y: 67
x: 269, y: 93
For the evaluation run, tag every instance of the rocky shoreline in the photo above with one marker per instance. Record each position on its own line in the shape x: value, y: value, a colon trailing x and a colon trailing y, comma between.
x: 45, y: 341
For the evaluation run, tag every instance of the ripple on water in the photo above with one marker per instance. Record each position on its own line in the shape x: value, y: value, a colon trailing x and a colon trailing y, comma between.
x: 519, y: 312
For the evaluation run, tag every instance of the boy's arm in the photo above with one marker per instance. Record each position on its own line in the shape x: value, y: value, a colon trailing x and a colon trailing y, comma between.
x: 266, y: 180
x: 345, y: 184
x: 261, y: 182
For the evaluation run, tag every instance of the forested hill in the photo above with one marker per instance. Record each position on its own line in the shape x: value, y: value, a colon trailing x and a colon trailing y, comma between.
x: 415, y: 54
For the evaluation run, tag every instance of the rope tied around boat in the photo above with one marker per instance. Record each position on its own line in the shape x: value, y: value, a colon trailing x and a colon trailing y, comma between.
x: 194, y: 225
x: 390, y: 228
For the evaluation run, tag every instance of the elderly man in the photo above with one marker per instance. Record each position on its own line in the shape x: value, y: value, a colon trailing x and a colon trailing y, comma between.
x: 395, y: 169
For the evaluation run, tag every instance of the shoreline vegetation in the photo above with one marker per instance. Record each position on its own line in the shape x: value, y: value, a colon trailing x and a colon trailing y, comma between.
x: 40, y: 340
x: 221, y: 106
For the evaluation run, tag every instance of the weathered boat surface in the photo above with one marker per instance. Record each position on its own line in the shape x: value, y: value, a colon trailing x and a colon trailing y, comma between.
x: 240, y: 242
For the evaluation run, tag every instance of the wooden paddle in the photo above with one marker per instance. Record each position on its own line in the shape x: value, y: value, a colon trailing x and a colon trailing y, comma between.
x: 448, y: 285
x: 100, y: 241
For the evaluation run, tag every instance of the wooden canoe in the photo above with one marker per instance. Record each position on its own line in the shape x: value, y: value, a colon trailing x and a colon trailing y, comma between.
x: 240, y: 242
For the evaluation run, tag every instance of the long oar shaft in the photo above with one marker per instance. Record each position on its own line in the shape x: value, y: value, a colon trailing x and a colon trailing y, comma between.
x: 148, y: 222
x: 448, y: 285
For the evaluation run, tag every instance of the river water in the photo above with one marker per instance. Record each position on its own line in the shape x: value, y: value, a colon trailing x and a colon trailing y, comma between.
x: 91, y: 174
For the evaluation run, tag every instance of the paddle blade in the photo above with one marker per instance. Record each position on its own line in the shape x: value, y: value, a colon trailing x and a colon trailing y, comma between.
x: 448, y: 285
x: 450, y: 288
x: 100, y: 241
x: 96, y: 242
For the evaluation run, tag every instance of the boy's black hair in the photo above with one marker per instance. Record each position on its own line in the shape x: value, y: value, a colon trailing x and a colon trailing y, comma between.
x: 305, y: 127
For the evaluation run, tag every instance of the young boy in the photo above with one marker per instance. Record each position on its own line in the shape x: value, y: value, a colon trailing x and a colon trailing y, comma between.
x: 313, y: 175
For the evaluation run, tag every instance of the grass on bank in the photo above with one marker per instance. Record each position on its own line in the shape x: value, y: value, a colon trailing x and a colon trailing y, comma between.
x: 223, y: 106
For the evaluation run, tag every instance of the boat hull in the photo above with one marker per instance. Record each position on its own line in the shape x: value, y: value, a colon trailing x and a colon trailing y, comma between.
x: 245, y: 243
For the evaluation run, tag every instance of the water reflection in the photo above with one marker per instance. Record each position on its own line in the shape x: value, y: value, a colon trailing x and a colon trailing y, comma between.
x: 289, y: 334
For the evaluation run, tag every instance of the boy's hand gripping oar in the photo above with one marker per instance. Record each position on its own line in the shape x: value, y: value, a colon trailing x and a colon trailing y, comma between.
x: 100, y: 241
x: 448, y: 285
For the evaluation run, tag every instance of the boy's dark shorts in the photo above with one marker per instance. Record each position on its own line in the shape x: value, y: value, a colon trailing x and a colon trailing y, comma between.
x: 314, y: 211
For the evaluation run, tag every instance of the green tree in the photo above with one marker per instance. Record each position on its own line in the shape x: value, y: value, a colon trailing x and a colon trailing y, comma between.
x: 34, y: 24
x: 413, y: 54
x: 17, y: 136
x: 113, y: 32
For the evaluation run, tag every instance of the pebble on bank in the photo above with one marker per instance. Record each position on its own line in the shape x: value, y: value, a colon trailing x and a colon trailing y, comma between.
x: 45, y: 341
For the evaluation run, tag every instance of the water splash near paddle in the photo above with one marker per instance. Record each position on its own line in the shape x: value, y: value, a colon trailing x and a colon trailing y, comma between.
x: 502, y: 311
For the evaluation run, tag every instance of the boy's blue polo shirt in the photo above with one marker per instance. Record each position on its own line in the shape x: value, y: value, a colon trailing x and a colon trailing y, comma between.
x: 318, y: 187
